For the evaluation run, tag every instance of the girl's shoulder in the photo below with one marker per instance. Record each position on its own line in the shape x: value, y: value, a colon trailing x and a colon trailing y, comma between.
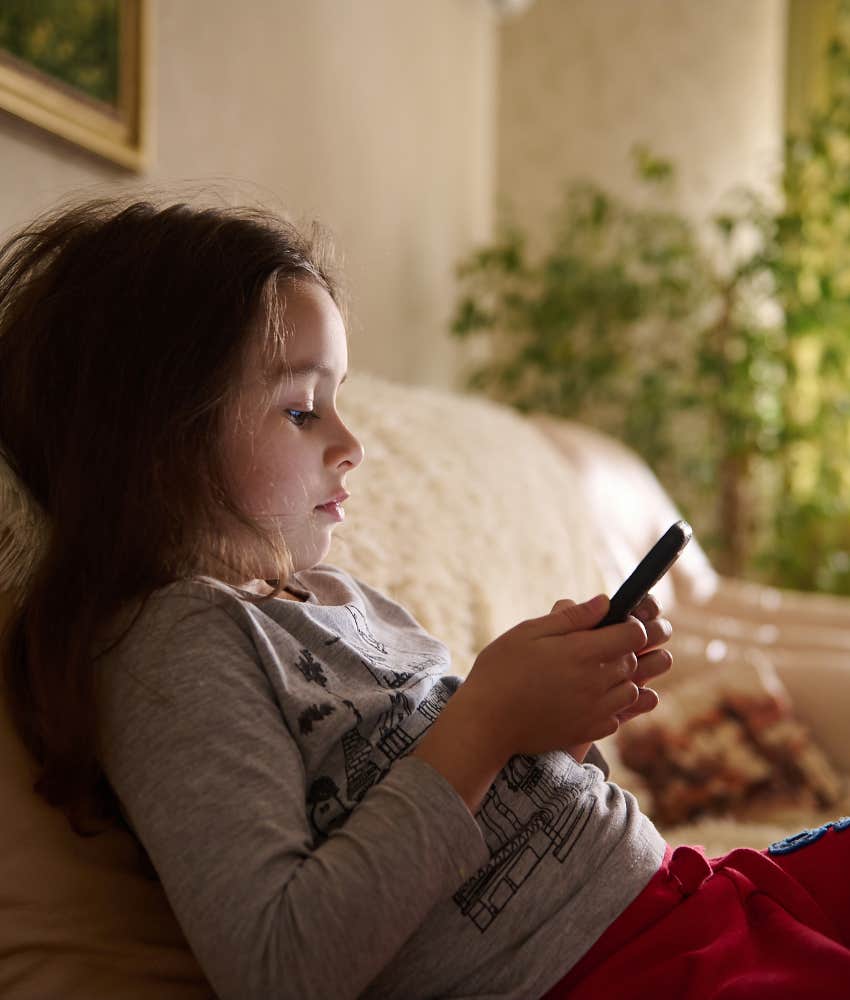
x: 334, y: 585
x: 328, y: 585
x: 330, y: 581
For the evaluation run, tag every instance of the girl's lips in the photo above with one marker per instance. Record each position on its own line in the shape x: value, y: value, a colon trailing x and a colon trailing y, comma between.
x: 336, y: 498
x: 333, y: 509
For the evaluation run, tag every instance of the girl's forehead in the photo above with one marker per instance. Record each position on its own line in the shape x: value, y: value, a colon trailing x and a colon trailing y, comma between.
x: 305, y: 334
x: 306, y: 310
x: 303, y: 295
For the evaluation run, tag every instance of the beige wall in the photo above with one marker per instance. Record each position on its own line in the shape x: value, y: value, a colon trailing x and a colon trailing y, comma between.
x: 582, y: 81
x: 383, y: 118
x: 375, y: 116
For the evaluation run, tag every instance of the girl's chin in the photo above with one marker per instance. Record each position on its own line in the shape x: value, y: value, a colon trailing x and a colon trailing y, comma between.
x: 316, y: 553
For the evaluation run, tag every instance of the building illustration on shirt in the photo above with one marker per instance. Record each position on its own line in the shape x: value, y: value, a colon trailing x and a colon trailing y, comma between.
x: 518, y: 844
x: 370, y: 746
x: 530, y: 811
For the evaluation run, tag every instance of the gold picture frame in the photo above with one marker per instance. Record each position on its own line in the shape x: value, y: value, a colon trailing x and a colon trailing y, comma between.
x: 113, y: 124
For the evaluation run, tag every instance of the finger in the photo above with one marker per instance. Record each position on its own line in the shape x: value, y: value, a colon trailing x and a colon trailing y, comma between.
x: 658, y: 631
x: 623, y: 668
x: 652, y: 665
x: 567, y: 616
x: 619, y: 699
x: 614, y: 640
x: 647, y: 700
x: 648, y: 608
x: 614, y: 672
x: 564, y: 603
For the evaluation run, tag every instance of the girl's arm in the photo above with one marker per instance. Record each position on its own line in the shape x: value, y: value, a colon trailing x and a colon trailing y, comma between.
x: 197, y: 749
x: 214, y: 785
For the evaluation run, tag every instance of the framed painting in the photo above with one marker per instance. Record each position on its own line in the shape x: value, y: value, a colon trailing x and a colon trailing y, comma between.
x: 79, y: 68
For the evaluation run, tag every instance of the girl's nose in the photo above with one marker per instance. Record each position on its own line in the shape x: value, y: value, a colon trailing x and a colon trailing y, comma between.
x: 358, y: 452
x: 353, y: 450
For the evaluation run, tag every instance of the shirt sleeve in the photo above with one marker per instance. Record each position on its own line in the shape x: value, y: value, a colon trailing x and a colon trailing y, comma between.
x: 212, y: 782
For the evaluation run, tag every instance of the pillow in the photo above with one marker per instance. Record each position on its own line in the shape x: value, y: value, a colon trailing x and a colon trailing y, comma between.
x: 724, y: 741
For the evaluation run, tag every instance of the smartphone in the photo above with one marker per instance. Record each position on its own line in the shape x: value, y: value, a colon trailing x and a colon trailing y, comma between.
x: 648, y: 572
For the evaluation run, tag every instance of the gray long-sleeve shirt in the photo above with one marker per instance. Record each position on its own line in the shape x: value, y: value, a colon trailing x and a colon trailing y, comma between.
x: 260, y: 754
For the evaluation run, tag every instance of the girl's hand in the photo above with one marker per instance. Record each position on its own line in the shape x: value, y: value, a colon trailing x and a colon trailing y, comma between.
x: 550, y: 682
x: 652, y: 662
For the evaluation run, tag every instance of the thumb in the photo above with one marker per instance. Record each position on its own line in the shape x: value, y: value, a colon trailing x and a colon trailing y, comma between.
x: 567, y: 616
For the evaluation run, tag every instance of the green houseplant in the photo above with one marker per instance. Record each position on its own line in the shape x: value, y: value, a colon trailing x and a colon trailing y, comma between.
x: 720, y: 352
x: 627, y: 323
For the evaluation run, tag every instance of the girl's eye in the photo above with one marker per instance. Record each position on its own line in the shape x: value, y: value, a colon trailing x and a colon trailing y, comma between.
x: 301, y: 417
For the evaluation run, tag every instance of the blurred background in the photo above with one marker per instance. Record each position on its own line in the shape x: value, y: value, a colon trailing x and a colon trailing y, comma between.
x: 632, y: 213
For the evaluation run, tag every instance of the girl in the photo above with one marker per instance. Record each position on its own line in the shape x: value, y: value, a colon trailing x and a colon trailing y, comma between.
x: 330, y: 811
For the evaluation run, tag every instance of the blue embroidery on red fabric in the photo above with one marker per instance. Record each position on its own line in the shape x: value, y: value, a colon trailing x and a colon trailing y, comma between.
x: 805, y: 837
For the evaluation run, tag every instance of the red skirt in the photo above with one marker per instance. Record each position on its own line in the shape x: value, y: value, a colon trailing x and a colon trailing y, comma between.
x: 750, y: 924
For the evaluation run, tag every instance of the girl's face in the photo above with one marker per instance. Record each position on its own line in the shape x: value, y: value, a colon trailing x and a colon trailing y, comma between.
x: 292, y: 459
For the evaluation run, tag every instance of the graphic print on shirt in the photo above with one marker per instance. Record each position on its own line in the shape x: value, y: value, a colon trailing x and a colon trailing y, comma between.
x: 311, y: 714
x: 553, y: 818
x: 322, y: 793
x: 311, y: 670
x: 380, y: 661
x: 370, y: 746
x: 366, y: 762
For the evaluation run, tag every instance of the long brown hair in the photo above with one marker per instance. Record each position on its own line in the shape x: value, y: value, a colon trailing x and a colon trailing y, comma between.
x: 125, y: 331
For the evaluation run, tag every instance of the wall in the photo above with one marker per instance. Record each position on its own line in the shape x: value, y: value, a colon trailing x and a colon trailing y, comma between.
x: 375, y: 116
x: 383, y: 118
x: 582, y: 81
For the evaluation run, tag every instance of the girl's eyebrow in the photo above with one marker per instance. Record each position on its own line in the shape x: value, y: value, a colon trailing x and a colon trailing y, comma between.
x: 308, y: 368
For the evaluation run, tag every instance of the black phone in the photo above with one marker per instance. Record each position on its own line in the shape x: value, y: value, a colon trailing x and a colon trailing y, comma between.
x: 648, y: 572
